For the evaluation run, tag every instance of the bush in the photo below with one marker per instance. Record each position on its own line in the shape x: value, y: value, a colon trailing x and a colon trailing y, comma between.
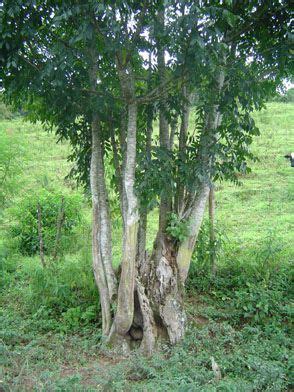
x: 258, y: 304
x: 201, y: 260
x: 253, y: 288
x: 25, y: 230
x: 63, y: 296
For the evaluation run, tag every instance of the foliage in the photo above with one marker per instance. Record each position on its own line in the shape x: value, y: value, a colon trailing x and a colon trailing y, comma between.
x: 204, y: 248
x: 25, y: 229
x: 55, y: 87
x: 256, y: 290
x: 61, y: 297
x: 250, y: 357
x: 177, y: 228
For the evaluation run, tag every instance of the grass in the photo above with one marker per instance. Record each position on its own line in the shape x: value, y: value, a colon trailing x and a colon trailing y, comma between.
x: 264, y: 202
x: 242, y: 317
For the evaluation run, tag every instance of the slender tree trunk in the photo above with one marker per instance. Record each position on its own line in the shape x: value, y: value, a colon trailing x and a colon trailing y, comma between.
x: 179, y: 202
x: 195, y: 218
x: 125, y: 304
x: 164, y: 137
x: 40, y: 233
x: 102, y: 243
x: 173, y: 130
x: 123, y: 143
x: 99, y: 273
x: 60, y: 222
x: 143, y: 209
x: 105, y: 237
x: 196, y: 213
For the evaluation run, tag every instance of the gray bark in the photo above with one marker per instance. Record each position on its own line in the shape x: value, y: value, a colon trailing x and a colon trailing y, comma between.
x: 98, y: 267
x: 125, y: 304
x: 173, y: 129
x: 104, y: 238
x: 195, y: 218
x: 149, y: 326
x: 143, y: 209
x: 164, y: 137
x: 99, y: 193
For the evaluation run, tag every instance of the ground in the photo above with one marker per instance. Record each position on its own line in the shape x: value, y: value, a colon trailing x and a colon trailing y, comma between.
x: 49, y: 327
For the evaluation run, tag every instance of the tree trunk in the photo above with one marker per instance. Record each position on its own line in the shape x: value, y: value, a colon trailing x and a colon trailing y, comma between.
x: 179, y: 202
x: 40, y: 234
x: 161, y: 296
x: 150, y: 303
x: 102, y: 239
x: 59, y: 225
x: 143, y: 209
x: 196, y: 212
x: 164, y: 137
x: 195, y: 218
x: 98, y: 266
x: 125, y: 304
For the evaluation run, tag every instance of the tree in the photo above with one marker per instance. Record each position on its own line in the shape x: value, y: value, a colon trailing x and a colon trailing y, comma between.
x: 100, y: 73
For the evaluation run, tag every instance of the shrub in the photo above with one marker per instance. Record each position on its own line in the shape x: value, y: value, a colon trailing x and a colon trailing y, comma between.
x: 25, y: 229
x: 253, y: 287
x: 63, y: 296
x: 201, y: 260
x: 177, y: 228
x: 258, y: 304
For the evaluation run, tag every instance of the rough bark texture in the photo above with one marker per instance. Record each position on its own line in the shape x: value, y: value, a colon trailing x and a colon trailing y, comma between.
x: 165, y: 292
x: 148, y: 323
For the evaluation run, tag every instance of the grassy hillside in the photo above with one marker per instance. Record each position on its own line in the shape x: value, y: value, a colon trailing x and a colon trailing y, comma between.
x: 49, y: 326
x: 264, y: 203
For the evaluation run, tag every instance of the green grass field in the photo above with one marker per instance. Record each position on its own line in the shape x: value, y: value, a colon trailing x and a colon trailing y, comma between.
x: 49, y: 326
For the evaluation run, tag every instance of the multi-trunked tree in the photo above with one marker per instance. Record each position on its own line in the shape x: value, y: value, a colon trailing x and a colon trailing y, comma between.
x: 102, y: 74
